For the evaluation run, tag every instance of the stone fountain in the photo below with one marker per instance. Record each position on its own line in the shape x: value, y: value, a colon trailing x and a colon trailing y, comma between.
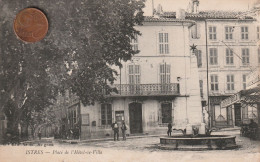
x: 195, y: 138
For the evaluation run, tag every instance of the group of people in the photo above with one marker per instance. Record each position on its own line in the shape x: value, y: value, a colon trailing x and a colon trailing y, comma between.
x: 115, y: 127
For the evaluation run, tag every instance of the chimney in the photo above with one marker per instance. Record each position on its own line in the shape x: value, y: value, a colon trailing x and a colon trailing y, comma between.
x: 195, y: 6
x: 180, y: 14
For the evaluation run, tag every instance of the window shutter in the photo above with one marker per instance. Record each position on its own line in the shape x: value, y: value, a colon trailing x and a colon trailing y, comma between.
x: 130, y: 69
x: 99, y: 116
x: 193, y: 32
x: 161, y: 71
x: 168, y: 73
x: 198, y: 31
x: 159, y: 113
x: 172, y: 112
x: 137, y: 74
x: 109, y: 114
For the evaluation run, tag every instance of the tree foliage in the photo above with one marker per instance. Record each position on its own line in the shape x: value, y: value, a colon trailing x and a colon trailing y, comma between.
x: 107, y: 28
x: 85, y: 40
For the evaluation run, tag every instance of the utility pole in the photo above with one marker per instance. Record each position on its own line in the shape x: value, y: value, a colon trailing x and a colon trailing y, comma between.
x: 207, y: 58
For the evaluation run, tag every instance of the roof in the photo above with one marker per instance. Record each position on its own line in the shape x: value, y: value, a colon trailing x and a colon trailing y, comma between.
x: 164, y: 19
x: 210, y: 15
x: 247, y: 96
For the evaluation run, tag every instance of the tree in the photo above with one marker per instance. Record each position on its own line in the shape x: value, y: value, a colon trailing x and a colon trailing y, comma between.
x: 107, y: 29
x: 85, y: 39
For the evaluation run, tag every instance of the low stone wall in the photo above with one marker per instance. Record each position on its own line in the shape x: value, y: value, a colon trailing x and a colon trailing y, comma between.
x: 198, y: 143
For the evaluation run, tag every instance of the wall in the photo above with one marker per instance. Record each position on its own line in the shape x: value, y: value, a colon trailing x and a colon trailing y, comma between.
x: 185, y: 108
x: 150, y: 117
x: 222, y: 69
x: 149, y: 58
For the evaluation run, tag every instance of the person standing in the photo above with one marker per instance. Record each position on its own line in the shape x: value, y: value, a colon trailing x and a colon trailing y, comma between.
x: 169, y: 132
x: 116, y: 131
x: 123, y: 128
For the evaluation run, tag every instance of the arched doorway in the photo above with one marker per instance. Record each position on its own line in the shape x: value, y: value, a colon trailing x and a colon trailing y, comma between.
x: 135, y: 117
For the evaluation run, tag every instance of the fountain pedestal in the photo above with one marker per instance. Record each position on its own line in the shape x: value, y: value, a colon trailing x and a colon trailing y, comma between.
x: 198, y: 143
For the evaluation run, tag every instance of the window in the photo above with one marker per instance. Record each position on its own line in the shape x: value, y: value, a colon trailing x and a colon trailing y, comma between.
x: 134, y: 43
x: 229, y: 57
x: 163, y: 43
x: 258, y: 32
x: 220, y: 114
x: 230, y: 82
x: 134, y: 78
x: 201, y: 88
x: 165, y: 73
x: 245, y: 112
x: 244, y: 81
x: 249, y: 112
x: 165, y: 77
x: 244, y: 33
x: 212, y: 33
x: 199, y: 58
x: 252, y: 111
x: 73, y: 116
x: 245, y: 56
x: 213, y: 57
x: 85, y: 119
x: 119, y: 116
x: 229, y: 115
x: 229, y: 32
x: 166, y: 113
x: 106, y: 114
x: 195, y: 31
x: 134, y: 74
x: 214, y: 82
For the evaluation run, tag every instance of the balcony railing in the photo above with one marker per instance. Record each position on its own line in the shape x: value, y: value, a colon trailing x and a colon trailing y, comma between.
x: 147, y: 89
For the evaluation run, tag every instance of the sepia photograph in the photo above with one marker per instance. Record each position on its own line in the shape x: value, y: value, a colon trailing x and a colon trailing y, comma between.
x: 129, y: 80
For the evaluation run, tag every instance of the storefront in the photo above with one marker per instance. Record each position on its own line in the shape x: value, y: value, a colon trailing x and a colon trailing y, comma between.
x: 246, y: 103
x: 220, y: 118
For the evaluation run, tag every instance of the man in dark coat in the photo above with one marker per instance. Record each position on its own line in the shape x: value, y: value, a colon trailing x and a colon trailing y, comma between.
x: 123, y: 128
x: 115, y: 127
x: 169, y: 132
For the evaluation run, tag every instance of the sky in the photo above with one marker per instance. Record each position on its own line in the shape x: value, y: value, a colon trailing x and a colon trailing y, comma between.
x: 227, y: 5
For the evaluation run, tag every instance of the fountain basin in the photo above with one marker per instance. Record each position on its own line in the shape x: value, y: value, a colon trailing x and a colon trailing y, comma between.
x: 201, y: 142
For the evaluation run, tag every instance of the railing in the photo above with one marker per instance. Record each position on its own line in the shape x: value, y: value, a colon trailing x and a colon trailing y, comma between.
x: 147, y: 89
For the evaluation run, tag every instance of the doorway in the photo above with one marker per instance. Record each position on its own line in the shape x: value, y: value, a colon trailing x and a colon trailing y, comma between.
x: 237, y: 114
x: 135, y: 117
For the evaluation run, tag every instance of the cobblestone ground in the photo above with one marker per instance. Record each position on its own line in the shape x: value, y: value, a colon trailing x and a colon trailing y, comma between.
x: 248, y: 150
x: 141, y: 149
x: 151, y: 143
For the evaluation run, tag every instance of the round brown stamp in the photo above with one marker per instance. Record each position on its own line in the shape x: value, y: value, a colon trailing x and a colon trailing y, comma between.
x: 30, y: 25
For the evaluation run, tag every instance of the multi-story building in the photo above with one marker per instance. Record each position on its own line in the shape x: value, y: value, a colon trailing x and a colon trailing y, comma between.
x: 158, y: 86
x: 165, y: 83
x: 227, y: 51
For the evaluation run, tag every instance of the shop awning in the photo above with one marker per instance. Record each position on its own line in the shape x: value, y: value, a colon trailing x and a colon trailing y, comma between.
x: 249, y: 96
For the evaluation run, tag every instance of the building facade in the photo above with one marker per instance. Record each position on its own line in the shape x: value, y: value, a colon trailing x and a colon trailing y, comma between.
x: 167, y: 82
x: 248, y: 99
x: 158, y: 86
x: 227, y: 51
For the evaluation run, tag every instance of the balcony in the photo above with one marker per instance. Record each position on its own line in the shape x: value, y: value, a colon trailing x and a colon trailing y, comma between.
x: 147, y: 89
